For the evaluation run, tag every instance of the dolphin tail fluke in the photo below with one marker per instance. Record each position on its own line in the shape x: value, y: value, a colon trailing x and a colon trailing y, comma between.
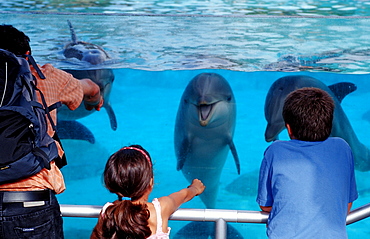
x: 205, y: 230
x: 112, y: 116
x: 342, y: 89
x: 235, y: 155
x: 73, y: 33
x: 74, y: 130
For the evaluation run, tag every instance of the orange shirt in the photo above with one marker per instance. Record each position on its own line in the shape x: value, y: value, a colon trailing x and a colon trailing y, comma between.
x: 58, y: 86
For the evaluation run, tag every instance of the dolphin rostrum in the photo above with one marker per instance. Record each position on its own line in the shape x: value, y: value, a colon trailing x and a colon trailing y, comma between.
x: 341, y: 126
x: 204, y: 132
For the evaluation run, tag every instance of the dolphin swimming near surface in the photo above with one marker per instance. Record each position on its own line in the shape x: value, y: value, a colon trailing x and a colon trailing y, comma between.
x: 94, y: 55
x: 84, y: 51
x: 204, y: 132
x: 341, y: 125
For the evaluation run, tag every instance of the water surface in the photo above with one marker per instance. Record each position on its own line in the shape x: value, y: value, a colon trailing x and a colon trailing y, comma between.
x: 155, y: 56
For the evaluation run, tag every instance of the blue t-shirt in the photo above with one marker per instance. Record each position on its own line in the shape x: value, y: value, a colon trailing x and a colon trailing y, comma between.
x: 309, y: 186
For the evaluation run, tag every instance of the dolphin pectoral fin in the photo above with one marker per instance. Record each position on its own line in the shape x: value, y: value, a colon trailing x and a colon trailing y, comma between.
x: 362, y: 156
x: 235, y: 154
x: 183, y: 152
x: 74, y: 130
x: 112, y: 116
x: 366, y: 116
x: 180, y: 163
x: 342, y: 89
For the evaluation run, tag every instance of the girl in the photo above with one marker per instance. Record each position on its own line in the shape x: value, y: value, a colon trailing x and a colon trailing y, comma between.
x: 129, y: 174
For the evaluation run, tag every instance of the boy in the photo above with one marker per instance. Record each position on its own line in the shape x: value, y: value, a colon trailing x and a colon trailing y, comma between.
x: 307, y: 183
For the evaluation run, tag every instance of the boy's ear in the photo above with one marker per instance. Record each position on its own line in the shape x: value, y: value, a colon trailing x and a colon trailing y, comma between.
x: 289, y: 131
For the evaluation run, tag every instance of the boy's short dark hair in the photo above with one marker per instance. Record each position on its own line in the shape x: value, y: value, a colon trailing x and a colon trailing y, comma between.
x: 309, y: 112
x: 13, y: 40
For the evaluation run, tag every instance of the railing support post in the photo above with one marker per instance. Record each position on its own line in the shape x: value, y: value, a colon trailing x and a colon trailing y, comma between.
x: 220, y: 229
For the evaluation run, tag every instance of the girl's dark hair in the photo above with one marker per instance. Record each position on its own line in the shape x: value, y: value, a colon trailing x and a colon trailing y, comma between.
x: 309, y: 112
x: 13, y: 40
x: 128, y: 173
x: 123, y: 219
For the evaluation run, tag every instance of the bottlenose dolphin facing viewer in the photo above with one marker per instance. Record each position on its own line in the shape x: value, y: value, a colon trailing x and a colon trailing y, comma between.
x: 204, y: 131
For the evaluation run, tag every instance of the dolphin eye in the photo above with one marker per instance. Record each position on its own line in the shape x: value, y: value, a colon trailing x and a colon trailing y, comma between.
x: 229, y: 98
x: 185, y: 101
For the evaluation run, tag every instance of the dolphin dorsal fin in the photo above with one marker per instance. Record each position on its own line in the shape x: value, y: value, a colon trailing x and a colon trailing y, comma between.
x: 73, y: 34
x: 342, y: 89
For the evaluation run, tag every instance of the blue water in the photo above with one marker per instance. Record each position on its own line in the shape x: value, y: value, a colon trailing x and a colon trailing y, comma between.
x: 155, y: 56
x: 209, y: 7
x: 146, y: 103
x: 158, y: 43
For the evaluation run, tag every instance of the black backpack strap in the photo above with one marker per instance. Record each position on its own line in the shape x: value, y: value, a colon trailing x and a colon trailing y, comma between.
x: 55, y: 106
x: 39, y: 152
x: 60, y: 161
x: 47, y: 109
x: 30, y: 91
x: 32, y: 61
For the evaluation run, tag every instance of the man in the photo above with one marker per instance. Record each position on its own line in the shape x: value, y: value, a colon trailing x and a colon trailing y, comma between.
x: 29, y: 207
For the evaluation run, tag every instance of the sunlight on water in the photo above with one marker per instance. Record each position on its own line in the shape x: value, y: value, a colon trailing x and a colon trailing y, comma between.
x: 210, y: 7
x: 181, y: 43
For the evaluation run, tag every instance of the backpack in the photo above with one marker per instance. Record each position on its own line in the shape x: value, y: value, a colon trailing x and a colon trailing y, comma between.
x: 26, y: 147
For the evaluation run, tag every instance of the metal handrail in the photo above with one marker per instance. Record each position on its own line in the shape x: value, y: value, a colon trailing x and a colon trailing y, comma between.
x: 219, y: 216
x: 209, y: 215
x: 182, y: 214
x: 358, y: 214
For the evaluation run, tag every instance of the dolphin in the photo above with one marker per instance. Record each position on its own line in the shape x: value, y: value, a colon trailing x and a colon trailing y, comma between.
x: 204, y: 132
x: 245, y: 185
x: 84, y: 51
x: 205, y: 230
x: 341, y: 126
x: 94, y: 55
